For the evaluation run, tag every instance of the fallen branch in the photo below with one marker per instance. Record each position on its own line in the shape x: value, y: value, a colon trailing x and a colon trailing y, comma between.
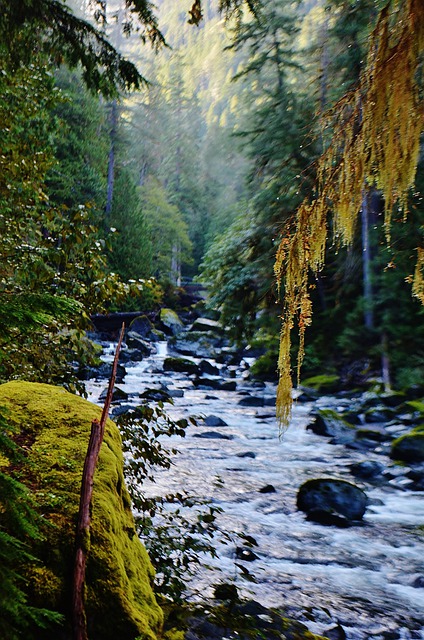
x: 82, y: 537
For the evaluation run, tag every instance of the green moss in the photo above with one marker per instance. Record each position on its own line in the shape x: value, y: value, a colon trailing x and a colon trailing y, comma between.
x: 55, y: 426
x: 323, y: 382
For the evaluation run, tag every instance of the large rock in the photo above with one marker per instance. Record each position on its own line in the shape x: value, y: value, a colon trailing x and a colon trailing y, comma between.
x: 410, y: 447
x: 331, y: 497
x: 327, y: 422
x: 170, y: 322
x: 181, y: 365
x: 55, y: 426
x: 144, y: 328
x: 135, y: 341
x: 205, y: 324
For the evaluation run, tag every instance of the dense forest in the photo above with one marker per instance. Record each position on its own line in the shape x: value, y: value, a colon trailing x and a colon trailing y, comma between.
x: 144, y: 152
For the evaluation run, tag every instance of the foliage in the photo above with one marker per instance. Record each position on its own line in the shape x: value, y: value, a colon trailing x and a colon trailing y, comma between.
x: 376, y: 132
x: 178, y: 528
x: 20, y: 525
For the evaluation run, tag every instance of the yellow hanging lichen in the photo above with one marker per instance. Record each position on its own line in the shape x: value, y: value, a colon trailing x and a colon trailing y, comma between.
x: 376, y: 140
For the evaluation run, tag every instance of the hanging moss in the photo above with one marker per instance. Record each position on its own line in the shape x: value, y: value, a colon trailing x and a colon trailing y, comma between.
x: 376, y: 141
x: 53, y: 427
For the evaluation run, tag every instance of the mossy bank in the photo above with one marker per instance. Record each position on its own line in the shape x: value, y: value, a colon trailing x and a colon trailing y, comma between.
x: 53, y: 427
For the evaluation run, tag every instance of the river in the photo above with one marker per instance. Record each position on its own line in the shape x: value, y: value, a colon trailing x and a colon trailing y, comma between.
x: 367, y: 580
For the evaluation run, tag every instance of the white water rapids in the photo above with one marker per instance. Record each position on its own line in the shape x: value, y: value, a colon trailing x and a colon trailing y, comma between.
x: 360, y: 577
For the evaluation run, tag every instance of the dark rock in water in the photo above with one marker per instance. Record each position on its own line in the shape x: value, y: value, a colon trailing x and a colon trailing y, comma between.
x: 367, y: 470
x: 269, y: 488
x: 143, y: 327
x: 328, y: 519
x: 214, y: 421
x: 418, y: 583
x: 226, y: 591
x: 181, y: 365
x: 243, y: 553
x: 375, y: 434
x: 335, y: 497
x: 379, y: 414
x: 117, y: 396
x: 195, y: 344
x: 104, y: 372
x: 157, y: 395
x: 170, y: 323
x: 134, y: 341
x: 409, y: 448
x: 215, y: 383
x: 132, y: 355
x: 251, y: 401
x: 247, y: 454
x: 335, y: 633
x: 176, y: 393
x: 121, y: 410
x: 213, y: 435
x: 329, y: 423
x: 207, y: 367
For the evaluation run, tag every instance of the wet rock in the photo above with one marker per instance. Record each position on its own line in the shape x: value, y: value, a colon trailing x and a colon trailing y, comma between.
x: 226, y: 591
x: 132, y: 355
x: 367, y: 470
x: 332, y: 497
x: 328, y: 519
x: 144, y: 328
x: 328, y: 422
x: 170, y: 323
x: 379, y: 414
x: 418, y: 583
x: 376, y: 434
x: 134, y: 341
x: 335, y: 633
x: 176, y: 393
x: 409, y: 448
x: 247, y: 454
x: 251, y: 401
x: 213, y: 435
x: 181, y: 365
x: 416, y: 475
x: 207, y: 367
x: 196, y: 344
x: 269, y: 488
x: 214, y: 421
x: 117, y: 396
x: 215, y: 383
x: 243, y: 553
x: 104, y: 371
x: 157, y: 395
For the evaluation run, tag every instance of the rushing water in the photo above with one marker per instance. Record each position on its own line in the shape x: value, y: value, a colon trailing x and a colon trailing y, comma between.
x: 368, y: 578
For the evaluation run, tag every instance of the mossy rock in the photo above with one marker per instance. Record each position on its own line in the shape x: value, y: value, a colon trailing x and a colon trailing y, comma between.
x: 410, y: 447
x: 180, y: 365
x: 325, y: 383
x: 54, y: 426
x: 170, y: 321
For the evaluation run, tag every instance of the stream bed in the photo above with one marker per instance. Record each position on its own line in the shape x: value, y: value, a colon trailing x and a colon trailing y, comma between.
x: 359, y: 582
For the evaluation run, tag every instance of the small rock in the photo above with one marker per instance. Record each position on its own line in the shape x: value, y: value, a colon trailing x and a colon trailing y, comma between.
x: 213, y: 435
x: 117, y: 396
x: 251, y: 401
x: 242, y: 553
x: 367, y: 470
x: 267, y: 489
x: 226, y: 591
x: 418, y: 583
x: 214, y: 421
x: 247, y: 454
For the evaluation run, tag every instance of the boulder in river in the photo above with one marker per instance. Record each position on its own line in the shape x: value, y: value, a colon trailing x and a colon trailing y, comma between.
x: 143, y: 327
x: 170, y: 322
x: 213, y: 435
x: 328, y: 422
x: 134, y: 341
x: 196, y: 344
x: 331, y: 497
x: 367, y: 469
x: 410, y: 447
x: 214, y: 421
x: 181, y: 365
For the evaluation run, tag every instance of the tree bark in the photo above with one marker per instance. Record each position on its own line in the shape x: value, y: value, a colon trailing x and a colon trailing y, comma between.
x: 82, y: 537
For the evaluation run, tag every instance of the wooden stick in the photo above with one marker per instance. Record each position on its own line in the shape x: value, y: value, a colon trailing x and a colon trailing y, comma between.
x: 82, y: 537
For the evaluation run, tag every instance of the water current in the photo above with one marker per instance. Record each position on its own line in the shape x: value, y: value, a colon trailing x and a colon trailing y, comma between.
x: 368, y: 579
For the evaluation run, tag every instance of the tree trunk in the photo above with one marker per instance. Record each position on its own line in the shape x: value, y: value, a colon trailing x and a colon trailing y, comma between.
x: 366, y: 263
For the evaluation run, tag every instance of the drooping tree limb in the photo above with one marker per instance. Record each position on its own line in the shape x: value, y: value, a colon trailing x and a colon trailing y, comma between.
x: 82, y: 538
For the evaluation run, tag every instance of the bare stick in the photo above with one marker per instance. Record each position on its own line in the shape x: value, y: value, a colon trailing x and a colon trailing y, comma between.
x: 82, y: 537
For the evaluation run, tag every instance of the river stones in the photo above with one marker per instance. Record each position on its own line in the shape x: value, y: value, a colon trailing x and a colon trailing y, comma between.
x: 181, y: 365
x: 214, y: 421
x: 367, y: 469
x: 135, y: 341
x: 170, y: 322
x: 328, y: 422
x: 331, y: 501
x: 410, y: 447
x: 144, y: 328
x: 251, y: 401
